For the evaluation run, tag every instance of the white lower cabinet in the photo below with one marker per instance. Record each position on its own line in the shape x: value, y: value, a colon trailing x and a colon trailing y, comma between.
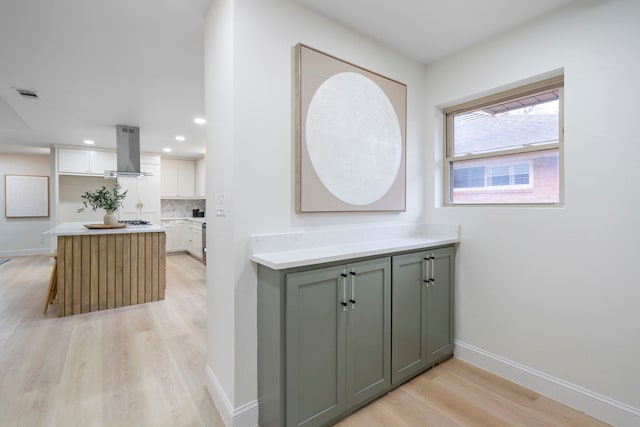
x: 171, y: 235
x: 184, y: 236
x: 180, y: 231
x: 176, y: 234
x: 194, y: 243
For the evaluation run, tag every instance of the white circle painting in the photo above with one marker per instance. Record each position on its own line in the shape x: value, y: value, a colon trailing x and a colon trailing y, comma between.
x: 353, y: 138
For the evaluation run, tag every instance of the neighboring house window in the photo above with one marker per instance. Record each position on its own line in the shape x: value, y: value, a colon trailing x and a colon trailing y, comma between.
x: 506, y: 148
x: 516, y: 175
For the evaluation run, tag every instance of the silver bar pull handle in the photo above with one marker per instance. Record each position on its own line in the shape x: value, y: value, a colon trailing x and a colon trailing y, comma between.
x: 353, y: 289
x: 432, y: 278
x: 344, y: 290
x: 426, y: 272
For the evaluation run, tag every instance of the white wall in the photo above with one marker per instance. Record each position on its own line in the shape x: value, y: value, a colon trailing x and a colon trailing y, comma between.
x: 22, y: 236
x: 250, y: 110
x: 557, y: 290
x: 70, y: 189
x: 219, y: 107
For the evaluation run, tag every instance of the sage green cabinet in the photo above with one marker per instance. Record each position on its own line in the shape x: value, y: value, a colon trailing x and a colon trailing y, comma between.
x: 368, y: 330
x: 338, y: 334
x: 315, y: 336
x: 333, y: 338
x: 422, y: 311
x: 440, y: 305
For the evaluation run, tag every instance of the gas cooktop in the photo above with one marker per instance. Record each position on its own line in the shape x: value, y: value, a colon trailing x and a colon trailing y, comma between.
x: 135, y: 222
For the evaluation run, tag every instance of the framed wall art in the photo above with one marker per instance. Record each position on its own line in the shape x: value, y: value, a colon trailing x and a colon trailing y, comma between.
x: 26, y: 196
x: 350, y: 136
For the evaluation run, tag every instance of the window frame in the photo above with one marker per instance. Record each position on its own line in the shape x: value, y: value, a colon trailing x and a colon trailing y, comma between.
x: 541, y: 86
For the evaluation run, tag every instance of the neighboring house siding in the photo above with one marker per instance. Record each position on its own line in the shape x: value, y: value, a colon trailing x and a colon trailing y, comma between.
x: 544, y: 189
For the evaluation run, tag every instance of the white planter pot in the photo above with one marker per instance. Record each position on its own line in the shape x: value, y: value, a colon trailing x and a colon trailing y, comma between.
x: 111, y: 218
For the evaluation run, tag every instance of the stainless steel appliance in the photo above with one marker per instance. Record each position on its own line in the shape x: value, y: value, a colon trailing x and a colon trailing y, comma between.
x: 204, y: 243
x: 128, y: 153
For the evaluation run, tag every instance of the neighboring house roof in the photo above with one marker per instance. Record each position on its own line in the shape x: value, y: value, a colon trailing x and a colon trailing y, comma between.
x: 479, y: 131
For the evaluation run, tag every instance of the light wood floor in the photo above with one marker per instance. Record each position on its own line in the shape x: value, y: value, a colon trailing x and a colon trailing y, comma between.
x: 144, y: 366
x: 456, y: 394
x: 133, y: 366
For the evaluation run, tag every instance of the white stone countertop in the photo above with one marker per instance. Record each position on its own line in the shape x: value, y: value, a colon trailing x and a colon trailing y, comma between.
x: 187, y: 218
x: 78, y: 229
x: 288, y: 250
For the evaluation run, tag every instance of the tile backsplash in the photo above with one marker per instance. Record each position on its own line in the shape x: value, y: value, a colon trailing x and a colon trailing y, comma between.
x: 177, y: 208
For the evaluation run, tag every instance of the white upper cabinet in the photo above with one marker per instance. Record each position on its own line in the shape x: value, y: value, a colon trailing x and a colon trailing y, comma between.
x: 169, y: 182
x: 86, y: 162
x: 201, y: 177
x: 74, y: 161
x: 100, y: 161
x: 186, y: 178
x: 178, y: 178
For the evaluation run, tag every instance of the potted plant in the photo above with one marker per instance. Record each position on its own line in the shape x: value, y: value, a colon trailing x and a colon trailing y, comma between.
x: 102, y: 198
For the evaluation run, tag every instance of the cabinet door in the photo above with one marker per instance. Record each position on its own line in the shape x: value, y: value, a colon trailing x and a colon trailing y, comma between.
x: 73, y: 161
x: 100, y: 161
x: 196, y: 243
x: 129, y: 209
x: 201, y: 176
x: 315, y: 341
x: 186, y: 178
x: 169, y: 181
x: 409, y: 341
x: 180, y: 232
x: 368, y: 342
x: 171, y: 235
x: 190, y: 238
x: 149, y: 194
x: 440, y: 304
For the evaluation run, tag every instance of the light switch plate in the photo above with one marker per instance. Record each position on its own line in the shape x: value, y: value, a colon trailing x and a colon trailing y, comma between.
x: 220, y: 204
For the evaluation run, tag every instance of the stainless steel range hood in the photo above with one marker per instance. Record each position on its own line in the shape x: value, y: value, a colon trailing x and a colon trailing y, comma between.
x: 128, y: 145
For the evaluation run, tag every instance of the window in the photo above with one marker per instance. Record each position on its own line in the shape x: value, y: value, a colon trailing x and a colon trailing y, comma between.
x: 506, y: 148
x: 504, y: 175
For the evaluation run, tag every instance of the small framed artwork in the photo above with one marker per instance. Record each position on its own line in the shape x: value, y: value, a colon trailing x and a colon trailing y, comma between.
x: 350, y: 136
x: 26, y: 196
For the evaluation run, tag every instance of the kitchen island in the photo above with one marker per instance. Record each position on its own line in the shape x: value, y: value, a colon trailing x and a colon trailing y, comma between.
x: 100, y: 269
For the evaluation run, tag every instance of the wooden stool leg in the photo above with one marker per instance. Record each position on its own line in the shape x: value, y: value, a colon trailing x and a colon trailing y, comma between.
x: 53, y: 285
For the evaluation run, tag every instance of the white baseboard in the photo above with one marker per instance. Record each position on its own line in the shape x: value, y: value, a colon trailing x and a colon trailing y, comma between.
x: 594, y: 404
x: 25, y: 252
x: 242, y: 416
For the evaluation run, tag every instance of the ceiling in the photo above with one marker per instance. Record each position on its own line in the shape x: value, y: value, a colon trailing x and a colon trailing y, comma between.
x: 95, y: 63
x: 427, y: 30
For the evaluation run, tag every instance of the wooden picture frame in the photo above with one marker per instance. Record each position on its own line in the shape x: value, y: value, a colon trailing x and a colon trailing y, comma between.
x: 350, y: 136
x: 26, y: 196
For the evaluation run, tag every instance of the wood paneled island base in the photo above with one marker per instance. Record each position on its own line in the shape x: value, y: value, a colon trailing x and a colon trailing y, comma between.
x: 103, y: 271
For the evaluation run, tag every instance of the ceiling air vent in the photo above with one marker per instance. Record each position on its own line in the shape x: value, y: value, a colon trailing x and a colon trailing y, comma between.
x: 27, y: 93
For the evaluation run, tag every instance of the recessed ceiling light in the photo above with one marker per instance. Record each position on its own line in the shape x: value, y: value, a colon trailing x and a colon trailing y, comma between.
x: 199, y: 120
x: 166, y: 150
x: 180, y: 138
x: 88, y: 141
